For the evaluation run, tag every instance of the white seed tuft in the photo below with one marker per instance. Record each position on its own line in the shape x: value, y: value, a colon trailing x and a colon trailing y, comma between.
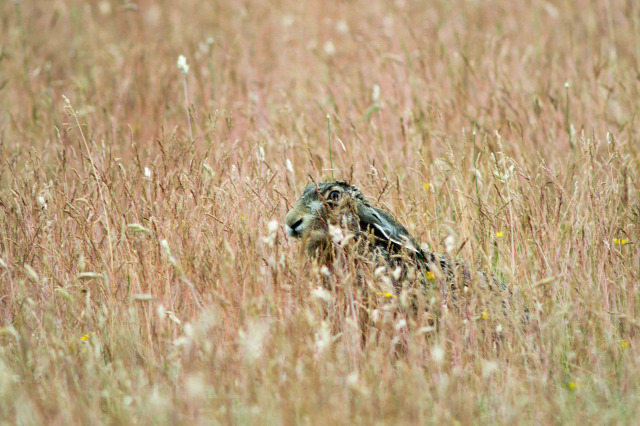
x: 375, y: 93
x: 450, y: 244
x: 329, y: 48
x: 437, y: 355
x: 336, y: 234
x: 182, y: 64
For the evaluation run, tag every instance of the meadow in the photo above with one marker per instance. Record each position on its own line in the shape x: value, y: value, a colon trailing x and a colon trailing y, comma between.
x: 145, y: 273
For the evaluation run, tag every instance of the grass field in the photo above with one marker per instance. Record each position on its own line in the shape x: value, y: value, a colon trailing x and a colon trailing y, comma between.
x: 145, y: 274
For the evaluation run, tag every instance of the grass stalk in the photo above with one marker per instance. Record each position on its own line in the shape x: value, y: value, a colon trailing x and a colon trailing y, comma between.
x: 567, y: 123
x: 71, y: 112
x: 186, y: 104
x: 329, y: 138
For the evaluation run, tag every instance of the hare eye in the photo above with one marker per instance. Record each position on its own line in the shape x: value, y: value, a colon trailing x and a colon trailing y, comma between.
x: 334, y: 195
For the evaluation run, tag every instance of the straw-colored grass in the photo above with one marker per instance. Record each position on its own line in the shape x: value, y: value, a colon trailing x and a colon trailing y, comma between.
x: 141, y: 280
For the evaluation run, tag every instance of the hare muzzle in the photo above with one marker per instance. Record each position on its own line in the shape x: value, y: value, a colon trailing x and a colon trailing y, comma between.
x: 294, y: 224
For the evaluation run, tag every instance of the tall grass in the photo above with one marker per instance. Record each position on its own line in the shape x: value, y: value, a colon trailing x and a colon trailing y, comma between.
x: 146, y: 275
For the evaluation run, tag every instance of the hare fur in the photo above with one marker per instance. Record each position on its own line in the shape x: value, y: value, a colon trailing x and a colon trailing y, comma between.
x: 325, y: 210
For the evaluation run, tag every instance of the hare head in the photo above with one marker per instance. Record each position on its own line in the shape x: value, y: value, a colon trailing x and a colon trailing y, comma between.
x: 325, y: 207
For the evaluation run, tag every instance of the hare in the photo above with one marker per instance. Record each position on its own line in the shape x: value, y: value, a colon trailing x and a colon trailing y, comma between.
x: 325, y: 211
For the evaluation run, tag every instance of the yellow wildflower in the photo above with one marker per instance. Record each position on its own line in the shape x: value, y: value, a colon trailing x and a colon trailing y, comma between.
x: 426, y: 186
x: 388, y: 295
x: 430, y: 276
x: 499, y: 234
x: 485, y: 314
x: 86, y: 336
x: 572, y: 385
x: 621, y: 242
x: 624, y: 343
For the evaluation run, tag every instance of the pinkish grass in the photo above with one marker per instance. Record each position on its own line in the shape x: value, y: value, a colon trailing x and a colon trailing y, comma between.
x: 141, y: 280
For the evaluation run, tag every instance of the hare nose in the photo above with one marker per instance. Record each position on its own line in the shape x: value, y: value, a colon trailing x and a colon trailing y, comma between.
x: 295, y: 229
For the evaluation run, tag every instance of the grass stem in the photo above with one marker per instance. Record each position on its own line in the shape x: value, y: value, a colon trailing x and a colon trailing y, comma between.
x: 329, y: 137
x: 186, y: 104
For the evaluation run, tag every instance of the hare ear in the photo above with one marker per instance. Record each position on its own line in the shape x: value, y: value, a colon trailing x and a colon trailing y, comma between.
x: 386, y: 227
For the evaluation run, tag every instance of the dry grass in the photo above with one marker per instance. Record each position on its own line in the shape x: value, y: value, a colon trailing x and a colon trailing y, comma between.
x: 141, y: 282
